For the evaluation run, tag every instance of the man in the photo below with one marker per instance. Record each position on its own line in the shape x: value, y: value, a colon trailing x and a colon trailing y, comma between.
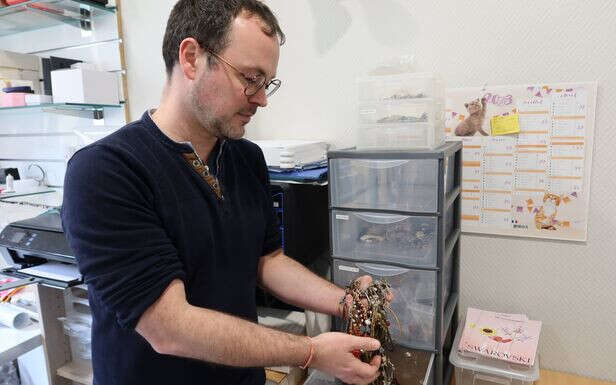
x: 173, y: 227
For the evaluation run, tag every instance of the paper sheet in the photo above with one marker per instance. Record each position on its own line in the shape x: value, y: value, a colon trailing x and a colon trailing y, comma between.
x: 539, y: 151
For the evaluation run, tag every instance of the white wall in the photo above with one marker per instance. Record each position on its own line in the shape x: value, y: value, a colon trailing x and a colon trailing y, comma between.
x: 569, y: 286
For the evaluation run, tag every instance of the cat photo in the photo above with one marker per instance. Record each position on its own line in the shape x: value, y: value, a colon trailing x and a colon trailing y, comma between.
x: 545, y: 219
x: 472, y: 123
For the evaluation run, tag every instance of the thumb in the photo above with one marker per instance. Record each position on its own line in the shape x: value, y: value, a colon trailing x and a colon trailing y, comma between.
x: 364, y: 281
x: 365, y: 343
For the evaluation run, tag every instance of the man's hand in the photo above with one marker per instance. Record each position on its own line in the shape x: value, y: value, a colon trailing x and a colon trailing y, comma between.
x: 364, y: 282
x: 333, y: 354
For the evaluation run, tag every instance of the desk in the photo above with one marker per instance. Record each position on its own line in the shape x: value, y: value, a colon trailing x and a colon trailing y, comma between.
x: 15, y: 342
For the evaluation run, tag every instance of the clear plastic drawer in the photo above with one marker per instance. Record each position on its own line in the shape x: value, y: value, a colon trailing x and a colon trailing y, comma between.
x: 407, y: 240
x: 379, y: 184
x: 427, y: 111
x: 400, y: 87
x: 414, y: 298
x: 413, y: 367
x: 398, y: 136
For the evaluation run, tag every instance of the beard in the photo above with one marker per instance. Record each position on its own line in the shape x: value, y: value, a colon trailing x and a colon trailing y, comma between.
x: 216, y: 126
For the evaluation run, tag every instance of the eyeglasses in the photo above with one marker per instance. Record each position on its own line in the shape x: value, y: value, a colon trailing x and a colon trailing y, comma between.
x: 253, y: 83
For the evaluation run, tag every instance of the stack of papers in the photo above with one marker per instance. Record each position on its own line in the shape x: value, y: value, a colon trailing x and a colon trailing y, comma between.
x: 508, y: 337
x: 290, y: 154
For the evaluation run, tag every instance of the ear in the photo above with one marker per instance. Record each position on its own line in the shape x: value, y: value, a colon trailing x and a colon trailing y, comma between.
x: 189, y: 53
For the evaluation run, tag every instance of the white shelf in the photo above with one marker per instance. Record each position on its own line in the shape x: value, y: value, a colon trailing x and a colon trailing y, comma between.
x: 78, y: 371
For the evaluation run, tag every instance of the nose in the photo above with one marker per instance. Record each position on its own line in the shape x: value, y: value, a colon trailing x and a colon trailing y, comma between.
x: 259, y: 98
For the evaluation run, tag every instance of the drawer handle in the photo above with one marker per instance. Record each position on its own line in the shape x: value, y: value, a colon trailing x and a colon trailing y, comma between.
x: 381, y: 218
x: 381, y: 271
x: 381, y: 164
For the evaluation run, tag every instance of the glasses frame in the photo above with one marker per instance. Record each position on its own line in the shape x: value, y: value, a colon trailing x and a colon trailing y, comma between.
x: 253, y: 85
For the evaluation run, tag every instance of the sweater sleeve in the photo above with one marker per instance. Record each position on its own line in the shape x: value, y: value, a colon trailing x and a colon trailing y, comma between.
x: 122, y: 249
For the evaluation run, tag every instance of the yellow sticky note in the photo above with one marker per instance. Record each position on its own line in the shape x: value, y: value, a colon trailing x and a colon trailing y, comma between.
x: 503, y: 125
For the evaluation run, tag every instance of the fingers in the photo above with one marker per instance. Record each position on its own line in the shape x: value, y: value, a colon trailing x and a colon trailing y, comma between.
x: 365, y: 343
x: 367, y: 373
x: 390, y: 296
x: 376, y: 361
x: 364, y: 281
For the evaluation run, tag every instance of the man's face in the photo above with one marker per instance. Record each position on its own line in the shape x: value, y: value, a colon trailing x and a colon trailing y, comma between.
x: 217, y: 95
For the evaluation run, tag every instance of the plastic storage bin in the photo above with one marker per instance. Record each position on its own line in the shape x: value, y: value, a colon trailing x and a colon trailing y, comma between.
x: 414, y: 298
x: 400, y: 87
x: 402, y: 111
x: 402, y: 239
x: 79, y: 329
x: 384, y: 184
x: 474, y: 369
x: 397, y: 136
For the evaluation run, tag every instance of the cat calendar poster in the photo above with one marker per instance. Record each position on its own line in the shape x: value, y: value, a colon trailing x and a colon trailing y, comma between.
x: 533, y: 181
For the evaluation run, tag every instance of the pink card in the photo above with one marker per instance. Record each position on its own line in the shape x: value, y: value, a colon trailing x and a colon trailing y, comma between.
x: 509, y: 337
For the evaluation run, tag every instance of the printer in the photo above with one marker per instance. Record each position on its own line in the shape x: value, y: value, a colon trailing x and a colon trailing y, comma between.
x: 39, y: 252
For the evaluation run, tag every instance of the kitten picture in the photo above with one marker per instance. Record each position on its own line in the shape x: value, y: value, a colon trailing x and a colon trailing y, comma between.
x: 545, y: 219
x: 472, y: 124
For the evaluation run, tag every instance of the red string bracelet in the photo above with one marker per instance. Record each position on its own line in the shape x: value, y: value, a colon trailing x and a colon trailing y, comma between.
x: 309, y: 360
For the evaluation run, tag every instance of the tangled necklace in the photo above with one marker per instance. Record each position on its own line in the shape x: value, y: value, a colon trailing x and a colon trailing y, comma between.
x: 366, y: 316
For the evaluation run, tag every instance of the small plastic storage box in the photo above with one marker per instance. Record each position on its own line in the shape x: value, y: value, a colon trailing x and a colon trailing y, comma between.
x: 384, y: 184
x: 400, y: 239
x: 414, y: 298
x: 398, y: 136
x: 402, y: 111
x: 400, y: 87
x: 79, y: 329
x: 474, y: 369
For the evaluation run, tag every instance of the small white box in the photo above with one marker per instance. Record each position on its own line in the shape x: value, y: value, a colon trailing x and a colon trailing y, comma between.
x: 84, y: 86
x: 35, y: 99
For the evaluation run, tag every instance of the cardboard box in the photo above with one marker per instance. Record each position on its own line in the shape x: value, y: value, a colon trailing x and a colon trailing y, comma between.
x: 15, y: 99
x: 84, y: 86
x: 20, y: 61
x: 10, y: 75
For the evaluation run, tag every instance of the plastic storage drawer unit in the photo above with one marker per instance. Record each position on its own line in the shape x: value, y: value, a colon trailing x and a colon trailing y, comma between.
x: 384, y: 184
x: 399, y: 87
x: 401, y: 239
x: 474, y: 369
x: 414, y: 299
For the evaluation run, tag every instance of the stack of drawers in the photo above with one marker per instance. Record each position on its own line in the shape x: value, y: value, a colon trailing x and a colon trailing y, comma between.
x: 401, y: 111
x: 395, y: 215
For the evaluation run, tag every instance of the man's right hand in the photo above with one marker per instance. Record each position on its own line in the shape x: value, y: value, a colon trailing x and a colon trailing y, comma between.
x: 333, y: 354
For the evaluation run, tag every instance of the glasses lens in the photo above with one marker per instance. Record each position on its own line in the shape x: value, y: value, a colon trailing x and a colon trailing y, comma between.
x: 272, y: 87
x: 254, y: 85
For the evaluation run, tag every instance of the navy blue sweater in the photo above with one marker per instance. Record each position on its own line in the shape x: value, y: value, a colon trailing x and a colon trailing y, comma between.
x: 138, y: 216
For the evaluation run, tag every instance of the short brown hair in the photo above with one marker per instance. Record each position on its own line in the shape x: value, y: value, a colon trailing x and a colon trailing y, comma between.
x: 209, y: 22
